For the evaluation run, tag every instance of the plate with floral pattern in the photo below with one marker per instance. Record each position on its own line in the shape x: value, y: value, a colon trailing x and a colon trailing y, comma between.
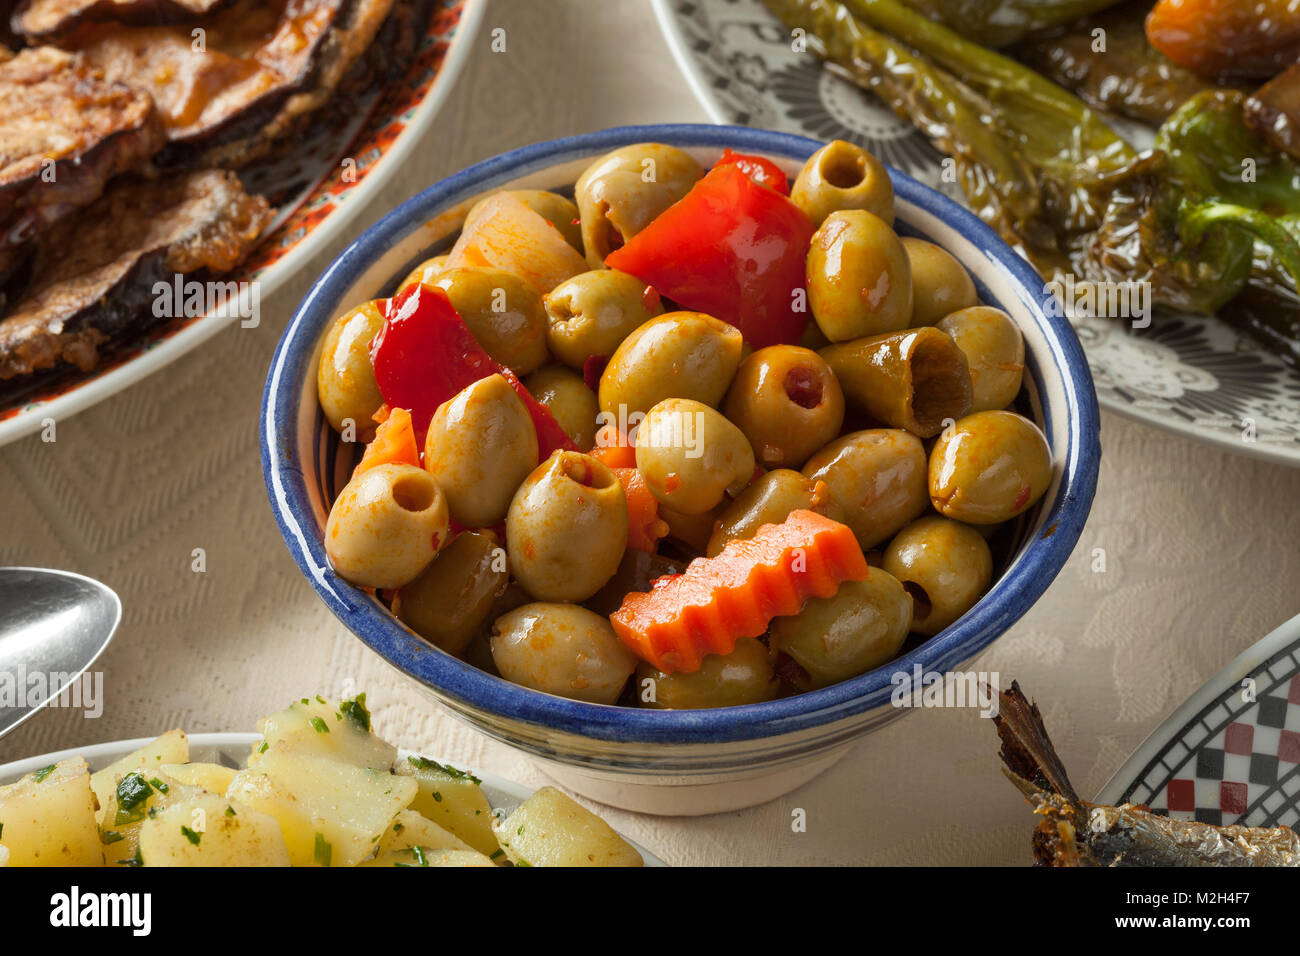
x: 318, y: 187
x: 1193, y: 375
x: 1231, y: 753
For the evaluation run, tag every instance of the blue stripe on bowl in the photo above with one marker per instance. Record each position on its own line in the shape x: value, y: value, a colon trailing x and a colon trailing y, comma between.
x: 291, y: 382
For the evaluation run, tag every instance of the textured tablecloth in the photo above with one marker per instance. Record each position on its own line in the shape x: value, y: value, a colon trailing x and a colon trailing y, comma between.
x: 1200, y: 545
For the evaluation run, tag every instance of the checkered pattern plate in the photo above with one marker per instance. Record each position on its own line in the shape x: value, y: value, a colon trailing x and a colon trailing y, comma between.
x: 1231, y: 753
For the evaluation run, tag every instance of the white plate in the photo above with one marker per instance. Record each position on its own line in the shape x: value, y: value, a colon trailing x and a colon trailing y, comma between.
x: 1231, y: 753
x: 1192, y: 375
x: 316, y: 209
x: 231, y: 750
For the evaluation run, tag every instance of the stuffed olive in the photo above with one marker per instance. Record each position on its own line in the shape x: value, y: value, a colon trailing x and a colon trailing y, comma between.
x: 620, y: 193
x: 562, y: 649
x: 567, y: 397
x: 788, y: 403
x: 744, y: 676
x: 842, y: 176
x: 566, y: 529
x: 676, y: 355
x: 589, y: 315
x: 832, y: 639
x: 995, y: 352
x: 503, y: 311
x: 450, y: 601
x: 481, y: 444
x: 940, y: 285
x: 690, y: 455
x: 944, y: 565
x: 345, y: 379
x: 989, y: 467
x: 877, y: 478
x: 859, y: 278
x: 386, y: 526
x: 767, y: 500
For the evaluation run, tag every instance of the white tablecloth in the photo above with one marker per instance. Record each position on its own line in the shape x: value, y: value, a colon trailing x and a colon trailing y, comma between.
x: 1200, y: 545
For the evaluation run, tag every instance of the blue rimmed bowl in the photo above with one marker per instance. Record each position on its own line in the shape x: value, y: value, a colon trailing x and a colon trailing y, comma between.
x: 673, y: 762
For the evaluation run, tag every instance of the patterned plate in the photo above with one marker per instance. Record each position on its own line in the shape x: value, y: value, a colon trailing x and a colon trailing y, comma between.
x: 1192, y: 375
x: 1231, y: 754
x: 317, y: 192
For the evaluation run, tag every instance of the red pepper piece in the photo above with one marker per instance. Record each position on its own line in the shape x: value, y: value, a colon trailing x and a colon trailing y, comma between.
x: 732, y: 249
x: 760, y: 170
x: 425, y: 353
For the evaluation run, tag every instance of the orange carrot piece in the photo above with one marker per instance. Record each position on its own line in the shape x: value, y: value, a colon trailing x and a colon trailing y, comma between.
x: 613, y: 448
x: 718, y: 600
x: 393, y: 444
x: 644, y: 526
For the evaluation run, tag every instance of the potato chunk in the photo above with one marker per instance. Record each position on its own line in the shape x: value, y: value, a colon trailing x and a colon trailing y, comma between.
x: 139, y: 794
x: 339, y: 731
x: 48, y: 817
x: 331, y: 813
x: 550, y: 829
x: 208, y: 830
x: 452, y: 799
x: 171, y: 747
x: 212, y: 777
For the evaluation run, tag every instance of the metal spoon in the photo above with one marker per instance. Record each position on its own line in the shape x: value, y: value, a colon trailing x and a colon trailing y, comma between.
x: 53, y: 625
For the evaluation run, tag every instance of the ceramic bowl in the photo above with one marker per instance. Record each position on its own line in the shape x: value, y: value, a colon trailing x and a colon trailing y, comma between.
x: 671, y: 762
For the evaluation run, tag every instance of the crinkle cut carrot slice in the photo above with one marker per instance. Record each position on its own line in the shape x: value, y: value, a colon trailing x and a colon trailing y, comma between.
x: 716, y: 601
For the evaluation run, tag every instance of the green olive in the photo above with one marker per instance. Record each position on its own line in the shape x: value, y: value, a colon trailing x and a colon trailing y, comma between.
x: 690, y: 531
x: 787, y: 402
x: 842, y: 176
x: 591, y: 314
x: 917, y: 379
x: 562, y: 649
x: 345, y: 379
x: 503, y: 311
x: 567, y: 528
x: 859, y: 279
x: 677, y: 355
x: 690, y: 455
x: 769, y: 499
x: 744, y: 676
x: 944, y: 565
x: 637, y: 571
x: 449, y: 602
x: 877, y: 477
x: 860, y: 627
x: 386, y: 526
x: 559, y: 211
x: 425, y: 273
x: 481, y: 444
x: 621, y: 192
x: 940, y: 284
x: 570, y: 401
x: 989, y: 467
x: 995, y: 352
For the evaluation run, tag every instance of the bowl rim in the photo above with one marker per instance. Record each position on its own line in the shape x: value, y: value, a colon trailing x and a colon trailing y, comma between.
x: 1038, y: 562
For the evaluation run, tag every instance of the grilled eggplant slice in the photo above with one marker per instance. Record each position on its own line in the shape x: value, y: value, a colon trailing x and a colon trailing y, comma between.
x: 64, y: 132
x: 93, y: 274
x: 40, y: 20
x: 254, y: 69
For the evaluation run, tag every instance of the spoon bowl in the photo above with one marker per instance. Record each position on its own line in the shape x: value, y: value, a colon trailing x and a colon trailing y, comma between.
x: 53, y: 626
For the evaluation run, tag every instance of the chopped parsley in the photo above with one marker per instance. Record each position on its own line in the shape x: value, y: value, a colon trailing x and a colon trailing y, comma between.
x: 44, y: 772
x: 320, y: 699
x: 111, y: 836
x: 424, y: 763
x: 324, y: 852
x: 136, y: 860
x: 159, y: 785
x: 437, y: 797
x: 132, y: 793
x: 230, y: 811
x: 497, y: 853
x: 262, y: 749
x: 354, y: 712
x: 420, y: 858
x: 191, y: 835
x: 320, y: 725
